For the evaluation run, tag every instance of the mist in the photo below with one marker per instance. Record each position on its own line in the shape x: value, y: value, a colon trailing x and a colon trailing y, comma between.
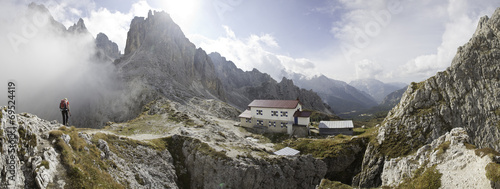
x: 48, y: 63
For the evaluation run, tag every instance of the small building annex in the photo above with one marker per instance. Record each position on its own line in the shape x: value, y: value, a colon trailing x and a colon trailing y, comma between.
x: 278, y: 116
x: 336, y: 127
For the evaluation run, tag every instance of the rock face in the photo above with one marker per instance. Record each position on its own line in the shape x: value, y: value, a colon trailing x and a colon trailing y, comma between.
x: 37, y: 161
x: 204, y: 170
x: 339, y: 95
x: 243, y: 87
x: 158, y: 53
x: 465, y: 95
x: 106, y: 49
x: 460, y: 167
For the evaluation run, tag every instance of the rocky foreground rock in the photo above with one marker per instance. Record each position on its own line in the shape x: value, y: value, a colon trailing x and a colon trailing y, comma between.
x: 465, y: 95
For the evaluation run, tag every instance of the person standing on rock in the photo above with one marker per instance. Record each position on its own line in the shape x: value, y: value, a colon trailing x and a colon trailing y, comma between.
x: 64, y: 107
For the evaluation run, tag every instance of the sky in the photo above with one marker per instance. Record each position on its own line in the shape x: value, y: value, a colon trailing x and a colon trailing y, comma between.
x: 389, y: 40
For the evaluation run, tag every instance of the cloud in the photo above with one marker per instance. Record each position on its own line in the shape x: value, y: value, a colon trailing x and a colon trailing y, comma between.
x: 368, y: 69
x: 461, y: 24
x: 254, y: 52
x: 410, y: 40
x: 47, y: 64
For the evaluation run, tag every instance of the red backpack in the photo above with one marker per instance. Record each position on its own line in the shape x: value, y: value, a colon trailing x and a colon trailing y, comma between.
x: 63, y: 104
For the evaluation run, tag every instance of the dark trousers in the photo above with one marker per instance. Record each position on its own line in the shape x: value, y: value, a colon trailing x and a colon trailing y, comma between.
x: 65, y: 117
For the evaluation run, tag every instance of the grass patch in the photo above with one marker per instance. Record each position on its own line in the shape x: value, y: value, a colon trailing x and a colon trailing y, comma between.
x: 428, y: 179
x: 327, y: 184
x: 486, y: 151
x: 493, y: 171
x: 398, y: 145
x: 84, y: 169
x: 441, y: 149
x: 44, y: 163
x: 416, y: 86
x: 469, y: 146
x: 322, y: 148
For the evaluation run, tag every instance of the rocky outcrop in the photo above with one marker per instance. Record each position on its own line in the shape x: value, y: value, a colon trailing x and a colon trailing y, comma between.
x: 158, y: 53
x: 106, y: 49
x: 36, y: 161
x: 465, y: 95
x: 244, y: 87
x: 460, y: 165
x: 203, y: 168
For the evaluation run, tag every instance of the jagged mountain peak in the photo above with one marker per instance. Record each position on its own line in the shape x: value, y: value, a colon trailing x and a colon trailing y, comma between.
x: 107, y: 49
x: 158, y: 53
x: 158, y: 28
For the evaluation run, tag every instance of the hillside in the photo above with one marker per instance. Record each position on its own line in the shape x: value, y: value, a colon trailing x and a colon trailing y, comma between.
x: 466, y: 95
x: 170, y: 145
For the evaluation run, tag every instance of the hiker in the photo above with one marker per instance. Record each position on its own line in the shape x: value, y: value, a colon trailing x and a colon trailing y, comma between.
x: 64, y: 107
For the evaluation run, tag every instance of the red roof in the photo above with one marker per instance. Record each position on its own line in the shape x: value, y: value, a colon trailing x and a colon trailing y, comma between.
x: 286, y: 104
x: 302, y: 114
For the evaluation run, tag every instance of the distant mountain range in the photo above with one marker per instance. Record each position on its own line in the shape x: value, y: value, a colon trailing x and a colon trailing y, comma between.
x: 375, y: 88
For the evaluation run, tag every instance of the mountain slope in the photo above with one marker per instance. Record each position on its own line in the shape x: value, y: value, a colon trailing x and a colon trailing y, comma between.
x: 375, y: 88
x: 341, y: 96
x: 243, y: 87
x: 466, y: 95
x: 392, y: 99
x: 158, y: 53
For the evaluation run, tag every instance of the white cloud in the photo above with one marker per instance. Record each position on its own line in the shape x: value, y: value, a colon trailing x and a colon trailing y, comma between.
x: 368, y: 69
x: 459, y: 27
x: 410, y: 40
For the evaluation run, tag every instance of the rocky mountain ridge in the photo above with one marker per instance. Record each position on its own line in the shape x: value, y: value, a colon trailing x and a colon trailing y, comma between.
x: 243, y: 87
x: 339, y: 95
x: 466, y: 95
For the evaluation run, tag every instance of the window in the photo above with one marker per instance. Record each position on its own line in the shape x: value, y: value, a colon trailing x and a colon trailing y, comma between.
x: 284, y: 114
x: 260, y: 122
x: 274, y: 113
x: 259, y: 112
x: 271, y: 123
x: 249, y: 120
x: 283, y: 124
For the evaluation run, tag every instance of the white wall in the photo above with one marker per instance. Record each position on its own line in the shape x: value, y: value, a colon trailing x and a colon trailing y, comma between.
x: 303, y: 121
x: 266, y: 113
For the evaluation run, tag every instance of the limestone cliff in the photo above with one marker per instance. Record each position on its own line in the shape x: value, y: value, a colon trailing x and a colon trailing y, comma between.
x: 158, y: 53
x: 106, y: 49
x: 466, y: 95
